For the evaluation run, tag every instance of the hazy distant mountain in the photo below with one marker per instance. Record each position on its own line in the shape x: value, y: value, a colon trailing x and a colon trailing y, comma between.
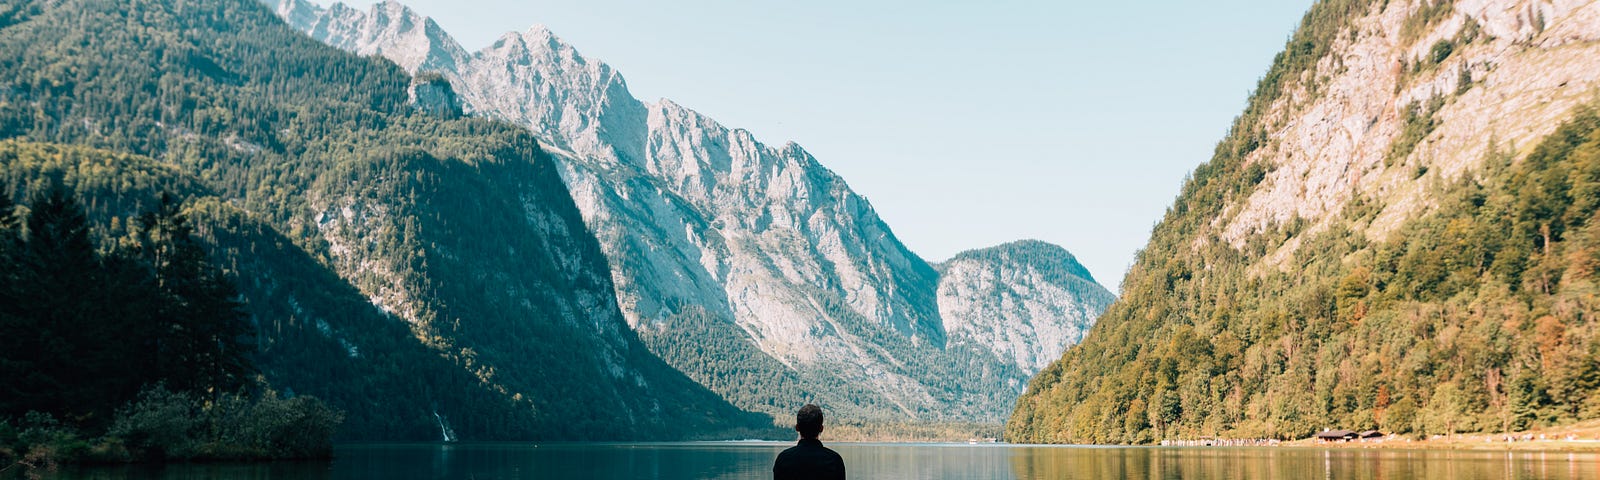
x: 1025, y: 301
x: 1398, y: 233
x: 752, y: 268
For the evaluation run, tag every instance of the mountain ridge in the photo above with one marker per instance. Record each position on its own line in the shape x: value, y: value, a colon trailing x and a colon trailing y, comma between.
x: 703, y: 223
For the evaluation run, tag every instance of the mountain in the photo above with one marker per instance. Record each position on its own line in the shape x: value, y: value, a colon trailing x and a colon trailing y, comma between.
x: 751, y: 268
x: 425, y: 272
x: 1025, y: 301
x: 1398, y: 233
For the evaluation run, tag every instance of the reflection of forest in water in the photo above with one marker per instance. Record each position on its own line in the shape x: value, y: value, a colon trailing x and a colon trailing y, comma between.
x: 1272, y: 463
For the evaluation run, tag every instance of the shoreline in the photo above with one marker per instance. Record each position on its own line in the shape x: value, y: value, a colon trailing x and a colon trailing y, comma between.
x: 1578, y: 437
x: 1476, y: 442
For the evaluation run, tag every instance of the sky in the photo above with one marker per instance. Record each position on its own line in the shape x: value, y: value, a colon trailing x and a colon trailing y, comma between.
x: 965, y: 124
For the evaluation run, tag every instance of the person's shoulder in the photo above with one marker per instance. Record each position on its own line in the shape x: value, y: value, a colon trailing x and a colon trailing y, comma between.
x: 832, y: 453
x: 794, y: 451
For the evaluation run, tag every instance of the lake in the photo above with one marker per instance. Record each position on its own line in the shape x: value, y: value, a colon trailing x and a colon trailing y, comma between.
x: 740, y: 460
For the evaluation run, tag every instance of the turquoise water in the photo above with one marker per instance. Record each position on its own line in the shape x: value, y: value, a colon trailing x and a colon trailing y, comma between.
x: 741, y: 460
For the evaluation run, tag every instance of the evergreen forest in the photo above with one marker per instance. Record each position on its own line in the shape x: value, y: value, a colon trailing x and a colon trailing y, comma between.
x: 122, y: 341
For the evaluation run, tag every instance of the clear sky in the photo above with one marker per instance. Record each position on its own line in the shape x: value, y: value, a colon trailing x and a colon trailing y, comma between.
x: 966, y: 124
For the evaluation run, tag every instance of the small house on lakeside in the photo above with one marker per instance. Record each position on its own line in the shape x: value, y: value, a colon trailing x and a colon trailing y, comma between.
x: 1336, y: 436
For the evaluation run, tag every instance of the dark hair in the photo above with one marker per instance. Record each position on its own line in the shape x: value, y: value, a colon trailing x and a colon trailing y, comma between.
x: 808, y: 421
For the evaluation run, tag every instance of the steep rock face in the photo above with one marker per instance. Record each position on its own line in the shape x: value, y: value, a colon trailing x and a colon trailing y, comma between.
x: 1511, y: 72
x: 992, y: 297
x: 432, y: 94
x: 709, y: 230
x: 1378, y: 243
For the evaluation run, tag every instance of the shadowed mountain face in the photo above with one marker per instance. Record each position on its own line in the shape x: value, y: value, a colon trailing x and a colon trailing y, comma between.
x: 752, y: 268
x: 1397, y: 234
x: 417, y: 269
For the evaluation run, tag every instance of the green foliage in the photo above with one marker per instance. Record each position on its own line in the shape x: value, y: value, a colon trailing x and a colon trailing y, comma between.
x: 91, y: 326
x: 1441, y: 51
x: 166, y: 425
x: 1419, y: 123
x: 1401, y: 416
x: 160, y: 424
x: 1476, y: 316
x: 163, y: 425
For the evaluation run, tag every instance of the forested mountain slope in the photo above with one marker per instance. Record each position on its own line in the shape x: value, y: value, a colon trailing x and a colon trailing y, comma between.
x: 1398, y: 233
x: 411, y: 268
x: 752, y: 268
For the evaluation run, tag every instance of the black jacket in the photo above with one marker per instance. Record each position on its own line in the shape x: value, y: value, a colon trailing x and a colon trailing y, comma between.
x: 808, y: 460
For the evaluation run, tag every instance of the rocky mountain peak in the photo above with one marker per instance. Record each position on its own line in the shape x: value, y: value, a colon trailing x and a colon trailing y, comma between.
x: 540, y: 35
x: 1011, y: 300
x: 709, y: 229
x: 389, y: 29
x: 1034, y: 252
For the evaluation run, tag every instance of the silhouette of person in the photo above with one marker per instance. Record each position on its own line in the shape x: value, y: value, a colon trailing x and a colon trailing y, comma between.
x: 808, y: 460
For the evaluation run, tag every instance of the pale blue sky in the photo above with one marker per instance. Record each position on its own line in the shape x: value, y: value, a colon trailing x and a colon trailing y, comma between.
x: 966, y: 124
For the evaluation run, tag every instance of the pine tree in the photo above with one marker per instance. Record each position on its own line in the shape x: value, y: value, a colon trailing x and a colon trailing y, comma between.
x: 81, y: 319
x: 203, y: 342
x: 12, y: 330
x: 55, y: 269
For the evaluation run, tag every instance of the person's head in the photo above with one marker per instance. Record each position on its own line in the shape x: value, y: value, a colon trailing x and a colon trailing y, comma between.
x: 808, y: 421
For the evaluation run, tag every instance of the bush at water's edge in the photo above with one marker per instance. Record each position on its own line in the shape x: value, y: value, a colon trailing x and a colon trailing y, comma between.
x: 162, y: 425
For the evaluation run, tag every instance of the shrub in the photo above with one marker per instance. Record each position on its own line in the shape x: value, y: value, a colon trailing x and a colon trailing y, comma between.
x: 271, y: 427
x: 160, y: 424
x: 1441, y: 51
x: 164, y: 425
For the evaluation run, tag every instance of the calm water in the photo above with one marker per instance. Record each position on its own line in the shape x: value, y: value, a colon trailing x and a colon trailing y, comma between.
x: 884, y: 461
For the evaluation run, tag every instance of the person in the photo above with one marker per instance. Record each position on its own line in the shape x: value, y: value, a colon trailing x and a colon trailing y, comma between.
x: 808, y: 460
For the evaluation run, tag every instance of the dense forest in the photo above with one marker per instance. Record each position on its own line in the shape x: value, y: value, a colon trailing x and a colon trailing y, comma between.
x: 1477, y: 315
x: 427, y: 274
x: 122, y: 341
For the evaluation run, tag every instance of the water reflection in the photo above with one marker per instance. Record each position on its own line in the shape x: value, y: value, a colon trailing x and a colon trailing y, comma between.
x: 1264, y: 463
x: 879, y: 461
x: 251, y: 471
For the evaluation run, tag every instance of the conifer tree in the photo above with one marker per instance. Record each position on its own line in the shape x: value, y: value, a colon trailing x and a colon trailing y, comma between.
x: 12, y: 333
x: 203, y: 342
x: 56, y: 269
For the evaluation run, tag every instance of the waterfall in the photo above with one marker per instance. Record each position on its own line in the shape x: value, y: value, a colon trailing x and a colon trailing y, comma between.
x: 444, y: 428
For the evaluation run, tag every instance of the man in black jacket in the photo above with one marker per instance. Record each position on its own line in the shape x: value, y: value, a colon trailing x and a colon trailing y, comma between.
x: 808, y: 460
